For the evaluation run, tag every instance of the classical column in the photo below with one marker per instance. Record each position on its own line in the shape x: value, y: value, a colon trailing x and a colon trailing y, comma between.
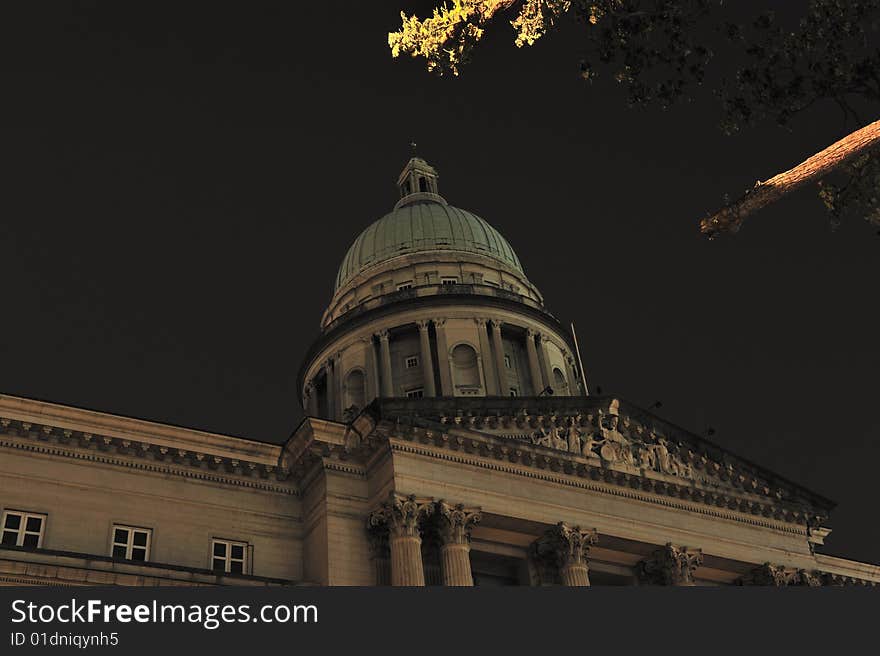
x: 372, y: 370
x: 534, y: 370
x: 427, y: 361
x: 670, y: 565
x: 330, y: 387
x: 498, y: 350
x: 544, y: 359
x: 443, y: 358
x: 385, y: 358
x: 311, y: 400
x: 574, y: 387
x: 565, y: 548
x: 380, y: 553
x: 340, y: 386
x: 402, y: 516
x: 454, y: 525
x: 492, y: 388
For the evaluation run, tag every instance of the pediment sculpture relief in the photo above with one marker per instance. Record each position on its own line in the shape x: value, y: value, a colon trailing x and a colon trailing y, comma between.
x: 646, y: 451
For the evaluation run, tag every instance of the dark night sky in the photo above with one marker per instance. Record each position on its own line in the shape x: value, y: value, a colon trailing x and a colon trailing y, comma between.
x: 178, y: 186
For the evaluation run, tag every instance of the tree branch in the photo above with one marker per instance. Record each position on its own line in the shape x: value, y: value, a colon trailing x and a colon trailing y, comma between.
x: 730, y: 218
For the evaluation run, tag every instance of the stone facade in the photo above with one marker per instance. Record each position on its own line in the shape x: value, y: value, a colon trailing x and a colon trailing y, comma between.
x: 450, y: 440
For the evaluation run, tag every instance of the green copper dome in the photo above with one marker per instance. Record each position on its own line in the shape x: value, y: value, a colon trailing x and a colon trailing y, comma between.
x: 424, y: 224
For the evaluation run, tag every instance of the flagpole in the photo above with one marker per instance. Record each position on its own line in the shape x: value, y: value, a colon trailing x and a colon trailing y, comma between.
x: 577, y: 350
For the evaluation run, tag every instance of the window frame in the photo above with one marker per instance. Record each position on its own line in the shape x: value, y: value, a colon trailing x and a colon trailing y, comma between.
x: 129, y: 544
x: 22, y: 531
x: 513, y: 392
x: 415, y: 393
x: 508, y: 361
x: 449, y: 280
x: 405, y: 285
x: 408, y: 359
x: 228, y: 559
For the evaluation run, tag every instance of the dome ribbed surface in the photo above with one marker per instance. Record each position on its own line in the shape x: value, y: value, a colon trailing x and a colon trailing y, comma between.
x: 424, y: 226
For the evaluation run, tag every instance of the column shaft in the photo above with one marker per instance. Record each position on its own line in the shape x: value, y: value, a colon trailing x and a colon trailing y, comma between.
x: 575, y: 575
x: 498, y: 349
x: 455, y: 561
x: 427, y: 360
x: 340, y: 386
x: 544, y: 359
x: 534, y: 370
x: 443, y: 359
x: 312, y: 401
x: 573, y: 383
x: 372, y: 369
x: 492, y: 387
x: 330, y: 386
x: 385, y: 355
x: 406, y: 561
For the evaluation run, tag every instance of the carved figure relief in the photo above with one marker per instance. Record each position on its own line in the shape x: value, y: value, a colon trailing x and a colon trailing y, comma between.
x: 606, y: 442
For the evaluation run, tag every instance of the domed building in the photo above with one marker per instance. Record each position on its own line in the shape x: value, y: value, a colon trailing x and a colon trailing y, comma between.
x: 449, y: 439
x: 431, y: 300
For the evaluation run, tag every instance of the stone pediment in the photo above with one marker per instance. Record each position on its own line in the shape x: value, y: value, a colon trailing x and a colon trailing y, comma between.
x: 610, y: 437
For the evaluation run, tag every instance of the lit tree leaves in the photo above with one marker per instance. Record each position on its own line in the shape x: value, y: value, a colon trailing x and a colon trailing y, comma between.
x: 656, y: 49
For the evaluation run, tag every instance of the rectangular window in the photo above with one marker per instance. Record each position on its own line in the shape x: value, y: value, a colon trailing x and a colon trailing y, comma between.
x: 417, y: 393
x: 131, y: 543
x: 412, y: 362
x: 514, y: 391
x: 506, y: 361
x: 22, y: 529
x: 448, y: 280
x: 229, y: 556
x: 404, y: 285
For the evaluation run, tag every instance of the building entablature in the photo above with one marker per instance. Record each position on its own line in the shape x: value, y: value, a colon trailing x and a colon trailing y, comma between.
x: 90, y: 422
x: 146, y: 453
x: 368, y: 438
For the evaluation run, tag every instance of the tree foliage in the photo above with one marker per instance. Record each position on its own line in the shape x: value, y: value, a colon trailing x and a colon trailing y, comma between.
x: 661, y: 50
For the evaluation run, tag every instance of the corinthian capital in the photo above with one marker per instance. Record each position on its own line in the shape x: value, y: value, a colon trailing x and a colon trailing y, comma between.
x: 565, y: 545
x: 401, y: 514
x: 670, y: 565
x: 768, y: 574
x: 454, y: 522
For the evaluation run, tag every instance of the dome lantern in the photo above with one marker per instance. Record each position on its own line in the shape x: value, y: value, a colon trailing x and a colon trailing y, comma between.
x: 418, y: 182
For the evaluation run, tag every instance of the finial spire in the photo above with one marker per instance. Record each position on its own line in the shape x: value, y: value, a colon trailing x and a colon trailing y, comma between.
x: 412, y: 146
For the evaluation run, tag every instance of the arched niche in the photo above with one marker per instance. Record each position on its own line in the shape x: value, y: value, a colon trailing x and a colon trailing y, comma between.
x: 467, y: 372
x: 560, y: 383
x: 355, y: 390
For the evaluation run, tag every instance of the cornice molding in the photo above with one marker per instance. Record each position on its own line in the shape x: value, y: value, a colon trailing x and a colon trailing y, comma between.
x: 142, y: 456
